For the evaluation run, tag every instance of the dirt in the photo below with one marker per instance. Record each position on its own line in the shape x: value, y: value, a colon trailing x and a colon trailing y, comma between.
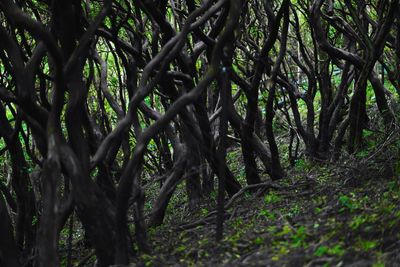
x: 343, y: 214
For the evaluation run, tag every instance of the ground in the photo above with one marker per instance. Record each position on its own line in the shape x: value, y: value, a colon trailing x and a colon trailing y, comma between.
x: 344, y: 213
x: 322, y: 214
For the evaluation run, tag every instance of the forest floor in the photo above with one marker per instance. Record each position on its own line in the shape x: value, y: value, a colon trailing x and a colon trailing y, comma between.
x: 336, y: 214
x: 345, y: 213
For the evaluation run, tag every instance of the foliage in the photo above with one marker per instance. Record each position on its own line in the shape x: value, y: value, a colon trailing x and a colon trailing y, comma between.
x: 189, y: 132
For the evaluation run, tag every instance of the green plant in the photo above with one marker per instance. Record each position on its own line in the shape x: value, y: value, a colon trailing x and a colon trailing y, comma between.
x: 299, y: 237
x: 271, y: 198
x: 317, y: 210
x: 366, y: 245
x: 267, y: 214
x: 258, y: 241
x: 362, y: 153
x: 203, y: 211
x: 237, y: 223
x: 285, y: 230
x: 293, y: 211
x: 147, y: 259
x: 234, y: 238
x: 337, y: 250
x: 180, y: 248
x: 347, y: 202
x: 393, y: 186
x: 323, y: 250
x: 301, y: 164
x: 357, y: 221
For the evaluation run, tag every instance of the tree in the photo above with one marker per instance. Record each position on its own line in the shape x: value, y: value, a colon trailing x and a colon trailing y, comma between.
x: 99, y: 100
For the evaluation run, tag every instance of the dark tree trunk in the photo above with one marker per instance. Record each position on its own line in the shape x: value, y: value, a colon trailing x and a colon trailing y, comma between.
x: 8, y: 247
